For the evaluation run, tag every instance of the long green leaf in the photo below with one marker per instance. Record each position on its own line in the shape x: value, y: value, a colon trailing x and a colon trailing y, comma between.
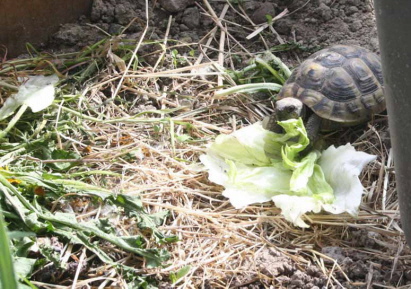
x: 7, y: 276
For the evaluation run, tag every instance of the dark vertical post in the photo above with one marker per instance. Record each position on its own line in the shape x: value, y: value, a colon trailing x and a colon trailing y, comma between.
x: 394, y: 32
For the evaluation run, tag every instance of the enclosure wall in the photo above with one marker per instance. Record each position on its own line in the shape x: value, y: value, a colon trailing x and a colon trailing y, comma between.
x: 33, y: 21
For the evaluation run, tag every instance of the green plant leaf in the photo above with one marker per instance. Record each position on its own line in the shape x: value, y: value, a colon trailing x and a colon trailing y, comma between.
x: 24, y: 266
x: 63, y: 155
x: 152, y: 221
x: 7, y: 274
x: 183, y: 137
x: 180, y: 274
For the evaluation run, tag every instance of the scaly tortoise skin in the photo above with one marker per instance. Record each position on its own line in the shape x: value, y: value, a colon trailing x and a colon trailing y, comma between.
x: 342, y: 85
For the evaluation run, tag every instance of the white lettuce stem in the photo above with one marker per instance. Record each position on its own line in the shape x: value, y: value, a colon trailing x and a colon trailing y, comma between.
x: 247, y: 88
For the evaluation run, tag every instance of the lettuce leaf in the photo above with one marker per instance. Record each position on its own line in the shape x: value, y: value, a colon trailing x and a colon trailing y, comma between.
x: 37, y: 92
x: 255, y: 165
x: 341, y: 167
x: 245, y: 146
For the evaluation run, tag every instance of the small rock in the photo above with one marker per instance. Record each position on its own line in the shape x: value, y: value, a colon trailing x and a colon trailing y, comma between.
x: 174, y: 6
x: 336, y: 253
x: 259, y: 15
x: 354, y: 2
x: 325, y: 12
x: 115, y: 28
x: 205, y: 20
x: 356, y: 25
x: 326, y: 2
x: 250, y: 5
x: 336, y: 12
x: 283, y: 26
x: 101, y: 11
x: 351, y: 10
x: 191, y: 17
x: 185, y: 38
x: 124, y: 14
x: 297, y: 283
x: 183, y: 27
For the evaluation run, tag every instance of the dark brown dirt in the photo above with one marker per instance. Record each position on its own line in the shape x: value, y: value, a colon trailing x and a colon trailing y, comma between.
x: 326, y: 22
x: 312, y: 24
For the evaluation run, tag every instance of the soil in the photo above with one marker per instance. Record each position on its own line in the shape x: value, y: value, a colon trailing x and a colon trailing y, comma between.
x: 310, y: 24
x: 275, y: 265
x: 353, y: 259
x: 327, y: 22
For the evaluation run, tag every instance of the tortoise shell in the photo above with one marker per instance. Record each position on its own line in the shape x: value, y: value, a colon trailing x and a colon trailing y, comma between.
x: 341, y: 83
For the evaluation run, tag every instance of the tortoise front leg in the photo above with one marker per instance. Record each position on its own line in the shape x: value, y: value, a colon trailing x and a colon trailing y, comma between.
x: 313, y: 128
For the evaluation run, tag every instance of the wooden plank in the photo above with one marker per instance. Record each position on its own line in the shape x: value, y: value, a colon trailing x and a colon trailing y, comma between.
x: 33, y: 21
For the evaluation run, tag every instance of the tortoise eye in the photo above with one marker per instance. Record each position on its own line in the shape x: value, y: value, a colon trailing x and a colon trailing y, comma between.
x: 291, y: 108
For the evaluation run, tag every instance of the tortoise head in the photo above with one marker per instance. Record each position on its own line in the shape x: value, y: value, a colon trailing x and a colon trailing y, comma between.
x: 288, y: 108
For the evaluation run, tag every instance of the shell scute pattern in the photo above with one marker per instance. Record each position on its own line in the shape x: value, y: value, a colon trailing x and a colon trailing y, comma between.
x: 374, y: 64
x: 338, y: 110
x: 342, y: 84
x: 379, y: 96
x: 312, y: 76
x: 310, y: 97
x: 324, y: 108
x: 362, y: 75
x: 354, y: 107
x: 368, y: 101
x: 329, y: 59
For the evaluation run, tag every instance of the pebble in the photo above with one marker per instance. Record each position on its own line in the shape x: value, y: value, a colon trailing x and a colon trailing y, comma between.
x: 174, y: 6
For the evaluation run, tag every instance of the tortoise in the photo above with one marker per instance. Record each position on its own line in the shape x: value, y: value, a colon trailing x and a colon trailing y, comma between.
x: 341, y: 85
